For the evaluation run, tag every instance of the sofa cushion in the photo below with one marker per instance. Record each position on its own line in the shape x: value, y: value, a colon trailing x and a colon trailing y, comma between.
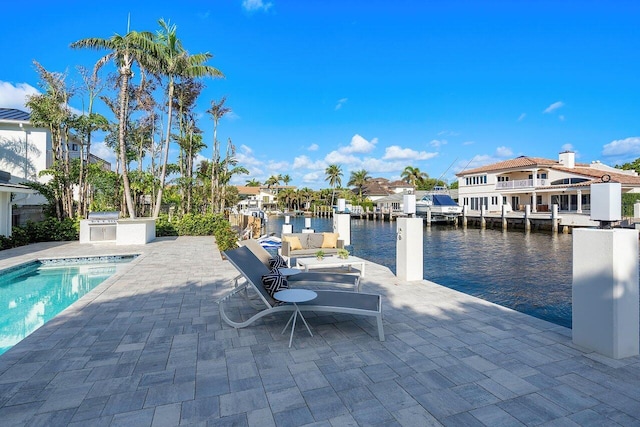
x: 330, y: 240
x: 315, y: 241
x: 294, y: 242
x: 312, y: 252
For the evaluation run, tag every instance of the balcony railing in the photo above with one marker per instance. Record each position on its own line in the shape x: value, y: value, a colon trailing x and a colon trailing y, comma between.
x: 519, y: 183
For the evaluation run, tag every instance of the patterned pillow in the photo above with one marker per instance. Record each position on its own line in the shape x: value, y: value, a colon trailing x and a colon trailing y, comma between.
x: 277, y: 262
x: 274, y: 282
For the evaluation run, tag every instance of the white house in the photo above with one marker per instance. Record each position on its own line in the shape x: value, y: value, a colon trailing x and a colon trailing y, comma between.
x: 262, y: 198
x: 540, y: 183
x: 26, y: 150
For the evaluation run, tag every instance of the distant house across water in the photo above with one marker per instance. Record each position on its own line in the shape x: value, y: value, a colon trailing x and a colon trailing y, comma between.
x: 540, y: 183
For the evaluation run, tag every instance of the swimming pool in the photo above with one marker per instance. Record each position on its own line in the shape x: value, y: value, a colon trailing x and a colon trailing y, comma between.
x: 32, y: 294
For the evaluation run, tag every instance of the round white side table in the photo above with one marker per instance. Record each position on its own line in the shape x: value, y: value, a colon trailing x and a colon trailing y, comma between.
x: 295, y: 296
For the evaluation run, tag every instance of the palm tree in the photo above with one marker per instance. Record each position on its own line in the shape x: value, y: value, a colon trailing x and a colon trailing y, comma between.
x: 217, y: 111
x: 272, y: 180
x: 133, y: 47
x: 253, y: 183
x: 334, y: 174
x: 174, y: 62
x: 228, y: 168
x: 359, y: 179
x: 286, y: 179
x: 413, y: 175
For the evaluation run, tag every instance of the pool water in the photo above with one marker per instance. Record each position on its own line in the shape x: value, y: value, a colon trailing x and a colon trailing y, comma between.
x: 32, y: 294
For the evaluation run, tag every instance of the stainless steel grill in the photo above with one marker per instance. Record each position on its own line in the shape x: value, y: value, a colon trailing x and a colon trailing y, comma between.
x: 102, y: 225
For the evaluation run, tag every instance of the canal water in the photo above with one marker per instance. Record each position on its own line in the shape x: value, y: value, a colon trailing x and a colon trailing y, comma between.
x: 528, y: 272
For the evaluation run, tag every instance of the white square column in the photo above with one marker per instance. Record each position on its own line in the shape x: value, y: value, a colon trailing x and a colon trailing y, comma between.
x: 605, y: 291
x: 342, y: 226
x: 409, y: 250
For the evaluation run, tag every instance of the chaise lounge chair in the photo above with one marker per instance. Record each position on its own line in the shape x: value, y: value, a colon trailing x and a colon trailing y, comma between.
x: 307, y: 279
x: 331, y: 301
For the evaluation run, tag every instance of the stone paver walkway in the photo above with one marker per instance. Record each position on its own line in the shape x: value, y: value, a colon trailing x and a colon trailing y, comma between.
x: 147, y: 348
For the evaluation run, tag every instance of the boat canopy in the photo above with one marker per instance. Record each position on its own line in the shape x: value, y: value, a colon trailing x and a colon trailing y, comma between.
x: 439, y: 200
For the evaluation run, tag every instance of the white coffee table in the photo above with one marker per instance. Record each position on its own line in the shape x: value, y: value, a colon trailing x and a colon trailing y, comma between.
x: 295, y: 296
x: 331, y: 262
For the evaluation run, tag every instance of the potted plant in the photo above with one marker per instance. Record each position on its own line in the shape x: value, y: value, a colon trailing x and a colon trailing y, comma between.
x: 343, y: 253
x: 320, y: 255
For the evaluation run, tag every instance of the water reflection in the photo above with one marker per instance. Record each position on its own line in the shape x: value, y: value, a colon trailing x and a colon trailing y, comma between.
x: 32, y: 296
x: 529, y: 272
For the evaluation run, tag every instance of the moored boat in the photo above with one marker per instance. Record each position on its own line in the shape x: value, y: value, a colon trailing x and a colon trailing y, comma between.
x: 443, y: 208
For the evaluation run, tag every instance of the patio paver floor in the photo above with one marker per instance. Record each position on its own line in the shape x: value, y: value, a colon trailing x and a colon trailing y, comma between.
x: 148, y: 348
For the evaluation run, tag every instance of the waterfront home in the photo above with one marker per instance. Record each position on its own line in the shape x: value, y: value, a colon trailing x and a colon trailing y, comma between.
x: 262, y: 198
x: 25, y: 151
x: 540, y: 183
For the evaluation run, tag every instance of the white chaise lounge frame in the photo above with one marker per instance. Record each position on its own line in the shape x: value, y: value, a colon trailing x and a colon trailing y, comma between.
x: 331, y: 301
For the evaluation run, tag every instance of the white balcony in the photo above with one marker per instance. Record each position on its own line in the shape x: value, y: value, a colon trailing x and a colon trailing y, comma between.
x: 520, y: 183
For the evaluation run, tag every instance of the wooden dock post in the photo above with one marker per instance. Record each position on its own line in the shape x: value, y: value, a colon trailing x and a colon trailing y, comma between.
x: 429, y: 216
x: 483, y: 220
x: 527, y: 219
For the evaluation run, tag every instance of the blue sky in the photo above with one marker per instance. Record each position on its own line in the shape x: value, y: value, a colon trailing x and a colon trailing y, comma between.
x: 379, y: 85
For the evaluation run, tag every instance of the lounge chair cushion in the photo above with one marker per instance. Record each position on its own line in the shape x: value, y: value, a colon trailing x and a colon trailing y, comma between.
x: 277, y: 262
x: 330, y: 240
x: 274, y: 282
x: 294, y: 242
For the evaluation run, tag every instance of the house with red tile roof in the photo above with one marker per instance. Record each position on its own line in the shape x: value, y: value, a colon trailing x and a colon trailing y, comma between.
x: 540, y: 183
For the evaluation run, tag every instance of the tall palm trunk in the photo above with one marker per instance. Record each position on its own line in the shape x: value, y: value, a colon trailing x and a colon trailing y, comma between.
x: 163, y: 173
x: 125, y: 73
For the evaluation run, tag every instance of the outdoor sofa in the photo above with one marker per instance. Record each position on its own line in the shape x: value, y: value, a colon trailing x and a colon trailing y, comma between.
x: 307, y: 244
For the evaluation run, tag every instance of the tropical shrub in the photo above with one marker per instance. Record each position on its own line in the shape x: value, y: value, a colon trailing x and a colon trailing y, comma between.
x: 49, y: 230
x: 199, y: 225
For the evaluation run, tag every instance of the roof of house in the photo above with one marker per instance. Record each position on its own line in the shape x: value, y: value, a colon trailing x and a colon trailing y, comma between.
x: 581, y: 169
x: 13, y: 114
x: 246, y: 190
x: 373, y: 188
x: 400, y: 184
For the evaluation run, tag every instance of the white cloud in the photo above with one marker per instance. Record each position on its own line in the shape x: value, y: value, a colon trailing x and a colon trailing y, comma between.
x: 395, y: 152
x: 566, y: 147
x: 15, y: 96
x: 306, y: 163
x: 437, y: 143
x: 504, y: 152
x: 313, y: 147
x: 448, y: 133
x: 341, y: 102
x: 101, y: 150
x: 475, y: 162
x: 522, y: 116
x: 256, y: 5
x: 277, y: 167
x: 468, y: 143
x: 342, y: 158
x: 553, y: 107
x: 311, y: 178
x: 623, y: 147
x: 359, y: 145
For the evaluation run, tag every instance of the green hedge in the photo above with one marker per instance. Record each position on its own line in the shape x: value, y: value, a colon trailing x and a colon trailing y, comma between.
x: 52, y: 230
x: 199, y: 225
x: 49, y: 230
